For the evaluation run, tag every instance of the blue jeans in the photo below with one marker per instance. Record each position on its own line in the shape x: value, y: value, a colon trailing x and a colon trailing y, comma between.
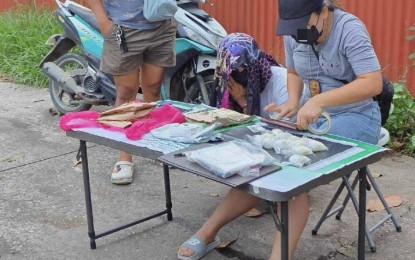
x: 359, y: 125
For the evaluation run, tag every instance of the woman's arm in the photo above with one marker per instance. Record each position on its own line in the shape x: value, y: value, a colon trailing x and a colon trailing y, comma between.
x: 103, y: 21
x: 365, y: 86
x: 294, y: 90
x: 294, y: 86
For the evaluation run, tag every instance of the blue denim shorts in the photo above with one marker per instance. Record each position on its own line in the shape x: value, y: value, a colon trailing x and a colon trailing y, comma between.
x: 359, y: 125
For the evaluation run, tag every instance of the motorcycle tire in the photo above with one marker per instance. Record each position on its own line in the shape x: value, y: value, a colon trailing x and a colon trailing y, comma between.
x: 65, y: 102
x: 178, y: 93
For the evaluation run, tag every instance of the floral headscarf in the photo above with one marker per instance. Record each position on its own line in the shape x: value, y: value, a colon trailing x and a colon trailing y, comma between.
x: 236, y: 50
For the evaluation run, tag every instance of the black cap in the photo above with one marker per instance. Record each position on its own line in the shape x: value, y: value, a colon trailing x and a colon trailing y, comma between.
x: 295, y: 14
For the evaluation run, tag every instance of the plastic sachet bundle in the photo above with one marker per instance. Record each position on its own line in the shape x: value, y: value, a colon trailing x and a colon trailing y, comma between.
x: 190, y: 133
x: 234, y: 157
x: 314, y: 145
x: 299, y: 160
x: 292, y: 147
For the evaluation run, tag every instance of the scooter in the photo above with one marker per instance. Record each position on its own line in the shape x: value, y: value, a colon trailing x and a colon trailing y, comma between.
x: 72, y: 65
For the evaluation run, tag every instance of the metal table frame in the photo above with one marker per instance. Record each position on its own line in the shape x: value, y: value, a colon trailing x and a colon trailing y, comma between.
x: 84, y: 137
x: 272, y: 197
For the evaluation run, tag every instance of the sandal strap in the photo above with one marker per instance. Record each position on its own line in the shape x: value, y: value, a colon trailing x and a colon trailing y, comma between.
x: 196, y: 244
x: 124, y: 163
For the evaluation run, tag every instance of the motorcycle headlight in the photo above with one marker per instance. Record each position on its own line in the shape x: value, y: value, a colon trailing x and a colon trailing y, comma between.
x: 198, y: 38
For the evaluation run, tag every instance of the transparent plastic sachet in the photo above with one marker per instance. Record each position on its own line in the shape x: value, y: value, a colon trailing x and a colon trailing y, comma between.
x: 234, y: 157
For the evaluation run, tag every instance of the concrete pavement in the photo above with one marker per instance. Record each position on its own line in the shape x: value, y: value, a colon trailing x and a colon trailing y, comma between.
x: 42, y: 210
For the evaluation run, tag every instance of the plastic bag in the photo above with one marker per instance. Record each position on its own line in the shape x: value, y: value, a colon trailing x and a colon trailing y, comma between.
x: 230, y: 158
x: 314, y: 145
x: 190, y: 133
x: 299, y: 150
x: 299, y: 160
x: 161, y: 116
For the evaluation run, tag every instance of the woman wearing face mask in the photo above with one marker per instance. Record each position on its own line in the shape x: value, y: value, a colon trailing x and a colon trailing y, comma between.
x: 341, y: 81
x: 247, y: 78
x: 329, y: 50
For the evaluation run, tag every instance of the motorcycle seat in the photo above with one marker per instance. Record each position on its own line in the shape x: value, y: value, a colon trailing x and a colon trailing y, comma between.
x: 87, y: 15
x: 196, y: 11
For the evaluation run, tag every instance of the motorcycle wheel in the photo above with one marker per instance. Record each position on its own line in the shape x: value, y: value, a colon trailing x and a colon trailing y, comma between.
x: 65, y: 102
x: 194, y: 94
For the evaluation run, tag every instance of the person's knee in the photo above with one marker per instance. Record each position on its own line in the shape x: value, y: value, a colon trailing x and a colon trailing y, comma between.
x: 152, y: 89
x: 125, y: 94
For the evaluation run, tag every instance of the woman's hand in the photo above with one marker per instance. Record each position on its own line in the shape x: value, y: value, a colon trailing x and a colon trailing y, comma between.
x: 308, y: 114
x: 237, y: 92
x: 288, y: 109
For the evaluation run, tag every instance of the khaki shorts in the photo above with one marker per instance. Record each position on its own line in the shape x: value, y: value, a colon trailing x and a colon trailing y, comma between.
x: 154, y: 46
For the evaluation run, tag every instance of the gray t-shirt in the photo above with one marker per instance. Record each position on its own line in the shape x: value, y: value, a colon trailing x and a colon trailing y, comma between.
x: 275, y: 91
x: 128, y: 13
x: 347, y: 52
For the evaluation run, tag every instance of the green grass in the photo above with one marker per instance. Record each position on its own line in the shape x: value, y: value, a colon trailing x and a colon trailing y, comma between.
x: 24, y: 31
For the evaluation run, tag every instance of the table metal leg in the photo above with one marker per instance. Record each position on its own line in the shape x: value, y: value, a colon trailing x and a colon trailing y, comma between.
x: 284, y: 231
x: 87, y: 189
x: 167, y: 191
x: 328, y: 212
x: 362, y: 213
x: 282, y: 225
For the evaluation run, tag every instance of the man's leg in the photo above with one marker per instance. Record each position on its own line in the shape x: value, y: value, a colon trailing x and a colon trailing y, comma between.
x: 151, y: 79
x: 127, y: 88
x: 234, y: 205
x: 298, y: 210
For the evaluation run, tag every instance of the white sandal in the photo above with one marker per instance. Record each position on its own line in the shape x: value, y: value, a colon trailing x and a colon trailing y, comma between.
x: 199, y: 247
x: 122, y: 173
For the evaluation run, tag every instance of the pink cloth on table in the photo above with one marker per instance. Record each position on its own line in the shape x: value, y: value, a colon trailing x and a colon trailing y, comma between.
x: 164, y: 115
x: 161, y: 116
x: 225, y: 100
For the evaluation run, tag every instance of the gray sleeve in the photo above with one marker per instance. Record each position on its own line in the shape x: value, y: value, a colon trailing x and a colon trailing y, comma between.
x: 358, y: 48
x: 289, y: 61
x: 280, y: 94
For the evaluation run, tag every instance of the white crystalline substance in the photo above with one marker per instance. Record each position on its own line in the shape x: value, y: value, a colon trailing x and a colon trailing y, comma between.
x: 268, y: 142
x: 276, y: 131
x: 314, y: 145
x: 285, y: 144
x: 299, y: 160
x: 256, y: 140
x: 283, y: 136
x: 268, y: 134
x: 294, y: 139
x: 280, y: 145
x: 302, y: 150
x: 299, y: 150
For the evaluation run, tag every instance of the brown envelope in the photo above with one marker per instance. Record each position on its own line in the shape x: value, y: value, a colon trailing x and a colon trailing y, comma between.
x: 128, y: 107
x: 224, y: 116
x: 120, y: 124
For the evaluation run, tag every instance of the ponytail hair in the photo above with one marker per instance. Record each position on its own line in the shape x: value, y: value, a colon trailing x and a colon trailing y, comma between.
x: 334, y: 4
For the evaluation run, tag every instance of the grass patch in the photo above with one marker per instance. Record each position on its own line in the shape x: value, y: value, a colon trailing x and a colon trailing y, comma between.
x: 24, y: 31
x: 401, y: 121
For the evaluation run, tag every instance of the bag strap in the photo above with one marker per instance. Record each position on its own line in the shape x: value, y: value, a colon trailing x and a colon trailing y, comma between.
x: 318, y: 59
